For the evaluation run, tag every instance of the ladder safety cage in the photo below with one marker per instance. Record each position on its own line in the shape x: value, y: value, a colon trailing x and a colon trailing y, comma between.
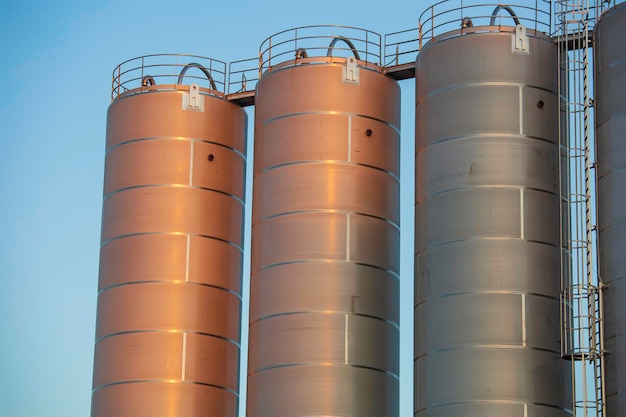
x: 581, y: 284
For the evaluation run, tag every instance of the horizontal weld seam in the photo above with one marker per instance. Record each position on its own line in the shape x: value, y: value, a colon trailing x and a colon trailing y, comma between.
x: 484, y: 347
x: 486, y: 292
x: 164, y: 381
x: 296, y: 212
x: 168, y: 331
x: 612, y: 225
x: 339, y: 261
x: 177, y: 282
x: 393, y: 175
x: 176, y: 138
x: 485, y: 238
x: 173, y: 185
x: 567, y: 410
x: 337, y: 113
x: 614, y: 170
x: 325, y: 312
x: 349, y: 365
x: 484, y: 187
x: 474, y: 136
x: 614, y: 116
x: 513, y: 85
x: 233, y: 244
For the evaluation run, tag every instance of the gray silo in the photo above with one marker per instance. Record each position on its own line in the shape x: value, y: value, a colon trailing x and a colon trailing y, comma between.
x: 169, y: 291
x: 610, y: 111
x: 324, y: 313
x: 487, y: 244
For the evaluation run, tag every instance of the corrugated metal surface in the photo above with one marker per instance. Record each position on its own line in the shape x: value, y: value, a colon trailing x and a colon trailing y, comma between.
x: 325, y: 245
x: 610, y: 82
x: 487, y: 229
x: 168, y: 325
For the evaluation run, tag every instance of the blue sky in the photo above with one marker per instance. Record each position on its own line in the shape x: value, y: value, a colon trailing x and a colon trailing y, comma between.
x: 55, y: 79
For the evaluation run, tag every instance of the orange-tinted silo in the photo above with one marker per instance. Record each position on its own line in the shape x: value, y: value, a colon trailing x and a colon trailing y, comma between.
x: 324, y: 308
x: 169, y: 293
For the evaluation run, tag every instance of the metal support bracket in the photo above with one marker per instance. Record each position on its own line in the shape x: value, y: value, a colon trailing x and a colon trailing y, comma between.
x: 351, y: 71
x: 519, y: 41
x: 193, y: 100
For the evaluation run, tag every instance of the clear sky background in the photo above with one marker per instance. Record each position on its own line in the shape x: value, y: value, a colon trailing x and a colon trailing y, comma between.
x: 55, y: 87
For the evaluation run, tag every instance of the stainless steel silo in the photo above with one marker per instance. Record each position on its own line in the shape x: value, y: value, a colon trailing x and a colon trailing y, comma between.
x: 169, y: 293
x: 487, y: 227
x: 610, y: 108
x: 325, y: 236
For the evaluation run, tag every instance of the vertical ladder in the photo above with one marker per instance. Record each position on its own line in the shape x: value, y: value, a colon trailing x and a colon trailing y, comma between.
x: 581, y: 286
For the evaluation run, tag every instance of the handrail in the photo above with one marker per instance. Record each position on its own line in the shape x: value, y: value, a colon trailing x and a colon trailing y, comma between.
x: 401, y: 47
x: 319, y: 44
x: 167, y: 71
x: 453, y: 17
x: 243, y: 75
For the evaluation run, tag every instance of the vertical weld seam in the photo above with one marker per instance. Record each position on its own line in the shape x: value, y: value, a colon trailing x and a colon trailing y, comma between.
x: 521, y: 212
x: 349, y: 138
x: 191, y: 164
x: 188, y: 252
x: 524, y: 320
x: 521, y: 111
x: 346, y: 341
x: 348, y: 237
x: 184, y: 358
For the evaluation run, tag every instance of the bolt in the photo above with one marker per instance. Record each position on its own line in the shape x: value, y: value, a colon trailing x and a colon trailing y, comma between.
x: 368, y: 132
x: 211, y: 157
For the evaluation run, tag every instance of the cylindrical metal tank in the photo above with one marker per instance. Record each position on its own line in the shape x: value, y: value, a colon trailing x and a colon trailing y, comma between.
x: 610, y: 111
x: 487, y: 226
x: 324, y: 308
x: 169, y: 293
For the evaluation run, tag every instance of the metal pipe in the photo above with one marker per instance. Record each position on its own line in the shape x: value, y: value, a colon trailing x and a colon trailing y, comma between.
x: 201, y: 68
x: 499, y: 7
x: 147, y: 80
x: 347, y: 41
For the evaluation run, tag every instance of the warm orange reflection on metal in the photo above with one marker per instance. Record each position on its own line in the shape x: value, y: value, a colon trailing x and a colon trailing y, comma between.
x: 325, y: 245
x: 170, y: 274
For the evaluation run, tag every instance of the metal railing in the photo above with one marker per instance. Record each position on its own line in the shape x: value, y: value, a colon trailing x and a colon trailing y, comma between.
x: 458, y: 17
x: 243, y: 75
x: 165, y: 71
x: 401, y: 47
x: 453, y: 16
x: 324, y: 43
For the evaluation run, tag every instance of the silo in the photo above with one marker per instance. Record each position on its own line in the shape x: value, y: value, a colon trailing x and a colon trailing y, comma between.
x: 324, y: 292
x: 610, y: 108
x: 169, y: 293
x: 487, y: 251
